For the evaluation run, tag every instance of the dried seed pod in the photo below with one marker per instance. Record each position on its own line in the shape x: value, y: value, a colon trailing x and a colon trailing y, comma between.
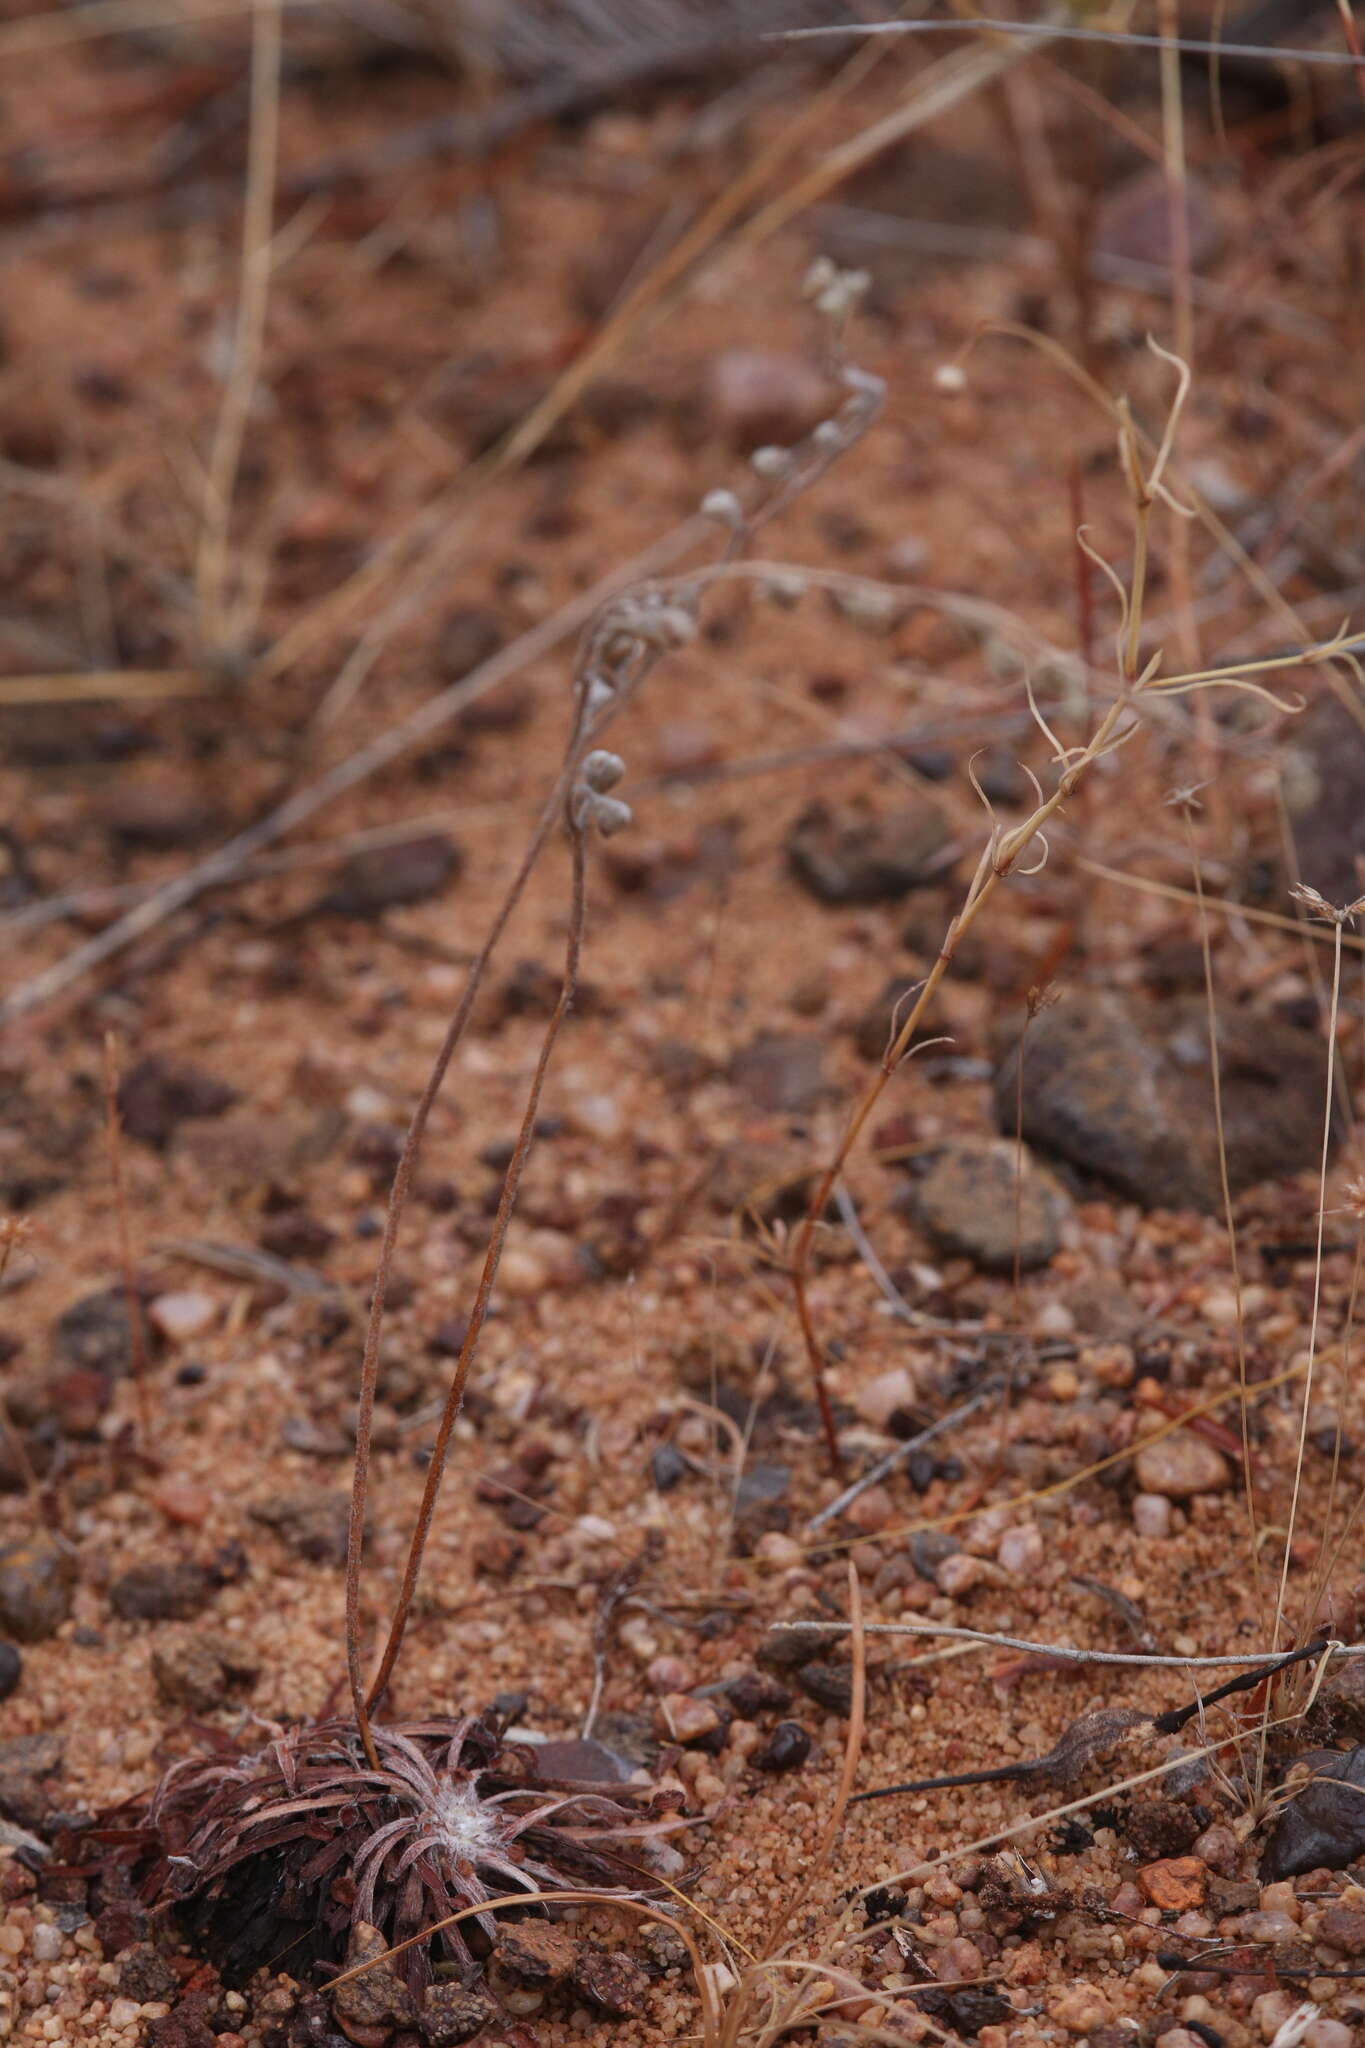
x: 724, y: 507
x: 602, y: 770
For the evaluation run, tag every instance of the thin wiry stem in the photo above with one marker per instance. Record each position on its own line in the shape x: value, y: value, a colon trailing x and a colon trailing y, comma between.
x: 1123, y: 39
x: 1065, y: 1652
x: 1273, y: 920
x: 402, y: 1182
x: 1332, y: 1013
x: 489, y: 1274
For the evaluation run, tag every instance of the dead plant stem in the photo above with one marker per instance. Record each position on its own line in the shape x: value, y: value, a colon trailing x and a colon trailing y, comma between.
x: 225, y: 454
x: 402, y: 1182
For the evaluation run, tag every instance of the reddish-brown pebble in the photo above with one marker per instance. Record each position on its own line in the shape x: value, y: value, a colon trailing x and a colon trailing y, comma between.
x: 1176, y: 1883
x: 179, y: 1501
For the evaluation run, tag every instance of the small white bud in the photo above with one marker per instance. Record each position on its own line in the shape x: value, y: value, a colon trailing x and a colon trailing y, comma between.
x: 829, y: 435
x: 863, y: 383
x: 770, y: 461
x: 671, y: 626
x: 869, y: 606
x: 818, y: 278
x: 841, y: 295
x: 785, y: 590
x: 598, y: 693
x: 950, y: 378
x: 609, y: 814
x: 723, y: 506
x: 602, y: 770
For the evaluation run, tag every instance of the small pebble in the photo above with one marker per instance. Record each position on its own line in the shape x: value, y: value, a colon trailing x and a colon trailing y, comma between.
x: 1054, y: 1319
x: 782, y: 1552
x: 872, y: 1510
x: 35, y: 1588
x: 668, y: 1674
x: 1325, y: 2033
x: 45, y: 1943
x: 1270, y: 2011
x: 1152, y: 1516
x: 958, y: 1574
x: 179, y: 1501
x: 594, y: 1116
x: 1080, y: 2009
x: 878, y: 1401
x: 183, y: 1316
x: 1176, y: 1883
x: 1268, y: 1927
x: 679, y: 1717
x: 522, y: 1271
x: 752, y: 397
x: 958, y: 1959
x: 1022, y: 1550
x: 1181, y: 1465
x: 1217, y: 1847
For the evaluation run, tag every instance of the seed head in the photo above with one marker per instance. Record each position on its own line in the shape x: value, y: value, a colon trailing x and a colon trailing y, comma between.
x: 724, y: 507
x: 602, y: 771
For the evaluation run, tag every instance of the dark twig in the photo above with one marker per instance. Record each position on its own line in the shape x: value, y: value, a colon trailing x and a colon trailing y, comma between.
x: 1172, y: 1722
x: 1089, y: 1737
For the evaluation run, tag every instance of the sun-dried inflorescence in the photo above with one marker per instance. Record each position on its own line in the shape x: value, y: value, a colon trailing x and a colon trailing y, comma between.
x: 271, y: 1857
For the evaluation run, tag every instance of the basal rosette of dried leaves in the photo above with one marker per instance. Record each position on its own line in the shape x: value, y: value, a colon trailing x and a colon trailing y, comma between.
x: 270, y: 1857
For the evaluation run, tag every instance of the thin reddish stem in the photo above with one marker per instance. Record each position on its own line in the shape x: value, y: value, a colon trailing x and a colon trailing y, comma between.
x: 489, y: 1274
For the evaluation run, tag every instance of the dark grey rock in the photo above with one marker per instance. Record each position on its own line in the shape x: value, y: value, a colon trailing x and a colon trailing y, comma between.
x: 313, y: 1523
x: 1324, y: 1828
x: 1120, y: 1088
x: 846, y: 857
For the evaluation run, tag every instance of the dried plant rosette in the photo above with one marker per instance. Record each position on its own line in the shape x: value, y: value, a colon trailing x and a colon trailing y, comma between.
x: 271, y: 1857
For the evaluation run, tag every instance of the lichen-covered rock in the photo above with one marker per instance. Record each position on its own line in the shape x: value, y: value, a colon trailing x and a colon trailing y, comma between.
x: 848, y: 857
x: 313, y: 1523
x: 35, y: 1589
x: 978, y: 1199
